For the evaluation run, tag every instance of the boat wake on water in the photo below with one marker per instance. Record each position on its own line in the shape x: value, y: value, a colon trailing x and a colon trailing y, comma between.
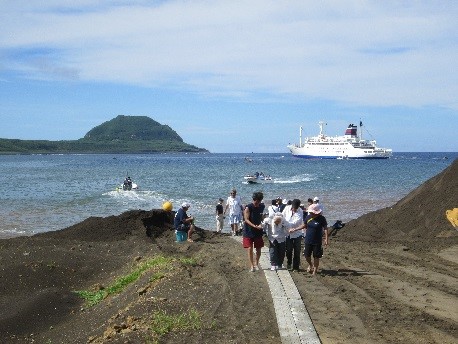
x: 292, y: 180
x: 144, y: 195
x: 296, y: 179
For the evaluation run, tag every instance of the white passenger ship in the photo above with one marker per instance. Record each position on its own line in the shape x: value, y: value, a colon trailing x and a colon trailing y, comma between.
x: 348, y: 146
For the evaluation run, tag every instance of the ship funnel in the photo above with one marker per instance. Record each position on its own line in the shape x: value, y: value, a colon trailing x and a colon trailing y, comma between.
x: 351, y: 130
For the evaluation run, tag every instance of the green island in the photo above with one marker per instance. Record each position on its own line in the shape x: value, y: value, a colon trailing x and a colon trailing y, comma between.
x: 123, y: 134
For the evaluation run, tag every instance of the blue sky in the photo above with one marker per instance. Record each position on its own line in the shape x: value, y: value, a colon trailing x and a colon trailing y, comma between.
x: 233, y: 76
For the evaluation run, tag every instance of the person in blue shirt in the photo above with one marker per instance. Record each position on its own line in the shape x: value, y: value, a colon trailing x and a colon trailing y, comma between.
x: 315, y: 224
x: 183, y: 222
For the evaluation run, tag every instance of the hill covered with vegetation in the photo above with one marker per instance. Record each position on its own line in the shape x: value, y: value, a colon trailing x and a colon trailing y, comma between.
x: 123, y: 134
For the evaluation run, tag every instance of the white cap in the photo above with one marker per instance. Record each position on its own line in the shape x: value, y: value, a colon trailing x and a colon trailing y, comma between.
x: 316, y: 199
x: 185, y: 205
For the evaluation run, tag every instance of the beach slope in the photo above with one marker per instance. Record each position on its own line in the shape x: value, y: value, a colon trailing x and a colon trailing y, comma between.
x: 389, y: 276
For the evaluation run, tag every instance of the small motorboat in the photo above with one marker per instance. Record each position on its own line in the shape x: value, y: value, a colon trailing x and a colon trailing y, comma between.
x: 127, y: 185
x: 258, y: 178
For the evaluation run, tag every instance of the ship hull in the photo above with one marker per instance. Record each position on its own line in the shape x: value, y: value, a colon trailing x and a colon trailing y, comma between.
x: 309, y: 152
x: 338, y: 157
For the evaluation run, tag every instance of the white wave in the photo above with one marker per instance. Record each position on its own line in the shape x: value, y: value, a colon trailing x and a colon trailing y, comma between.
x: 11, y: 233
x: 295, y: 179
x: 137, y: 197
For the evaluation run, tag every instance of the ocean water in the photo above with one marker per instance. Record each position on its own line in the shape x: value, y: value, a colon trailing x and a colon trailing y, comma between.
x: 41, y: 193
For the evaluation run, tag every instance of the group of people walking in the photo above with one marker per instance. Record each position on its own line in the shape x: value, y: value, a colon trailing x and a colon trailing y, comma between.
x: 286, y: 225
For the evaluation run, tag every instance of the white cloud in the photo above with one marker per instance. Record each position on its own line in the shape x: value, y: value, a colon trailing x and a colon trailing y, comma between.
x: 358, y: 52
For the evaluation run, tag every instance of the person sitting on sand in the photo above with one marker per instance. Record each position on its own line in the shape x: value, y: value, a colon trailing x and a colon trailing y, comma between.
x: 183, y: 222
x: 315, y: 224
x: 252, y: 232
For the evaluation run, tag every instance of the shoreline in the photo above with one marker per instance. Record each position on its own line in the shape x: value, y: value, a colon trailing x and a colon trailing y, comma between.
x: 48, y: 206
x: 386, y: 276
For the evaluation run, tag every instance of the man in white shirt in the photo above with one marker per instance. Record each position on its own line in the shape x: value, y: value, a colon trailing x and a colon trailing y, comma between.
x: 234, y: 204
x: 293, y: 214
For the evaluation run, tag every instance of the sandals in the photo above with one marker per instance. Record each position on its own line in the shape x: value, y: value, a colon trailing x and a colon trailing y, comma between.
x: 312, y: 270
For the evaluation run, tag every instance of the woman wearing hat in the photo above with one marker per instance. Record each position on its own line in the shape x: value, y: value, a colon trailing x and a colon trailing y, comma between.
x: 277, y: 230
x: 315, y: 224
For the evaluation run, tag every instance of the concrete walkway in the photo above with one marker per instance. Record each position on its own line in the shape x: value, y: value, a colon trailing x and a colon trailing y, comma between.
x: 294, y: 323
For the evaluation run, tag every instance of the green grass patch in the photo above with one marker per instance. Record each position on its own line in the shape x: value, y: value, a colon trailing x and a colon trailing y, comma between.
x: 51, y: 265
x: 163, y: 323
x: 156, y: 276
x: 94, y: 297
x: 189, y: 261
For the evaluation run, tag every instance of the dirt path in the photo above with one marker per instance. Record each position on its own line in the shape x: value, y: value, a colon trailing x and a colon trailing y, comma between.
x: 382, y: 293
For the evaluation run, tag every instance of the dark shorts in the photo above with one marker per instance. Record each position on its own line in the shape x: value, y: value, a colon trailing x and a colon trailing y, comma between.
x: 183, y: 228
x: 316, y: 250
x: 257, y: 242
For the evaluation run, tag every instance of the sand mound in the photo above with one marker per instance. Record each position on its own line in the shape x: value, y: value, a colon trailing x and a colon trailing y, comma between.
x: 421, y: 215
x: 115, y: 228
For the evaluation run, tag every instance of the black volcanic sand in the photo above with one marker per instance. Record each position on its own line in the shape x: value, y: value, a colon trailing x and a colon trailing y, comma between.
x: 390, y: 276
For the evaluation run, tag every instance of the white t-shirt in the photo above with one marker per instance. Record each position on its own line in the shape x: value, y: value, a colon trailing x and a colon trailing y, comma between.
x: 272, y: 210
x: 234, y: 205
x: 295, y: 220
